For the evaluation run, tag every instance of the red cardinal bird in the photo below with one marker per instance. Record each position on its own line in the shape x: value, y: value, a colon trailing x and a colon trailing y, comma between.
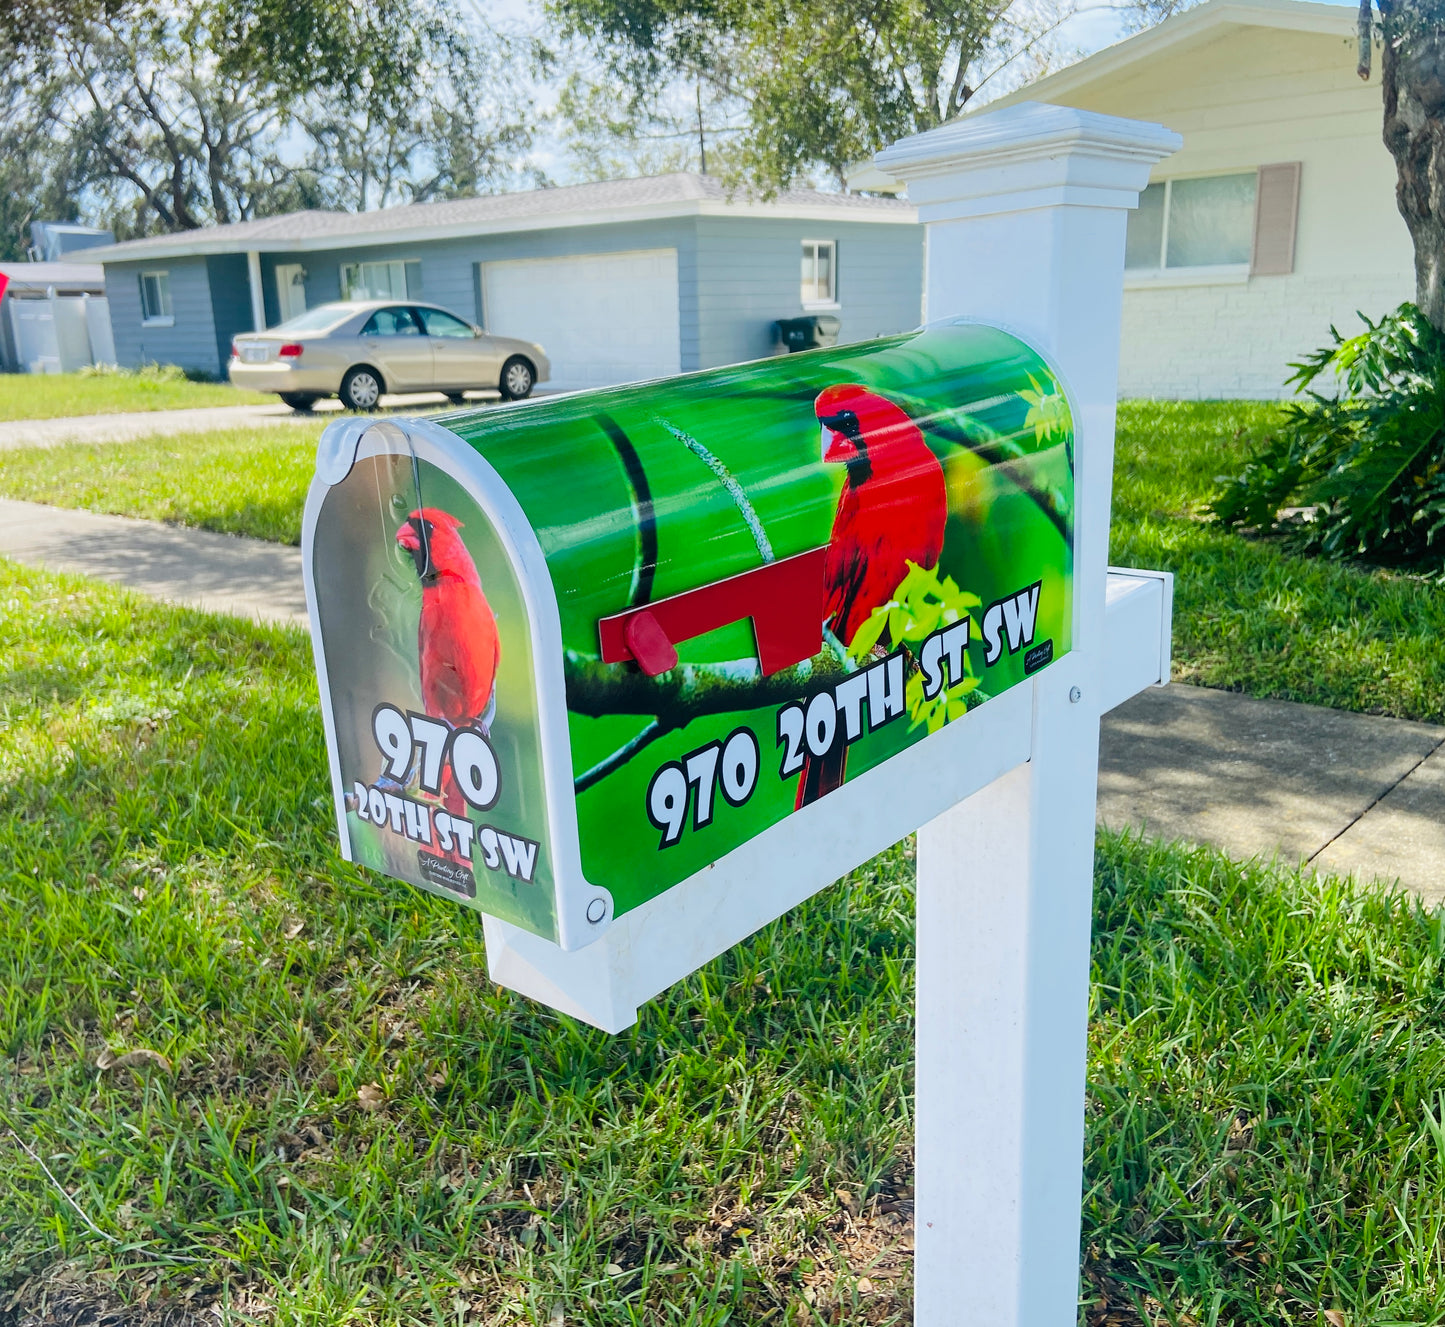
x: 891, y: 512
x: 457, y: 642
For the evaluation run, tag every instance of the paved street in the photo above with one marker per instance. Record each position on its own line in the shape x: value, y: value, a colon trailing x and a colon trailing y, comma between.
x: 1345, y: 792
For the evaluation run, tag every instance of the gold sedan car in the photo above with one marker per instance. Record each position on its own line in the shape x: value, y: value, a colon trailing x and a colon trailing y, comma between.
x: 361, y: 349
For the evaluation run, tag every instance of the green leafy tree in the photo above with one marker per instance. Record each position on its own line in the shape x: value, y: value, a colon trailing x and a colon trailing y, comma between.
x: 818, y: 87
x: 611, y: 130
x: 174, y: 114
x: 38, y: 180
x: 166, y: 135
x: 400, y: 99
x: 31, y: 24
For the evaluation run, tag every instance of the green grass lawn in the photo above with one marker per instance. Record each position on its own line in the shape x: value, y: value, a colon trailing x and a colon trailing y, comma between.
x: 239, y: 481
x: 52, y: 395
x: 1248, y: 616
x: 351, y: 1124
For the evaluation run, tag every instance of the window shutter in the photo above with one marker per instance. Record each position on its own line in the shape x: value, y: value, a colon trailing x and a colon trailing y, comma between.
x: 1276, y: 211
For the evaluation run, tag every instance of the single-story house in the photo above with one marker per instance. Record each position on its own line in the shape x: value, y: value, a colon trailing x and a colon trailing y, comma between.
x: 1275, y: 219
x: 618, y: 281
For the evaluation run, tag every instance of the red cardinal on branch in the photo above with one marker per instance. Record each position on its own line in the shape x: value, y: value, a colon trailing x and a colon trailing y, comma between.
x: 891, y: 512
x: 457, y: 642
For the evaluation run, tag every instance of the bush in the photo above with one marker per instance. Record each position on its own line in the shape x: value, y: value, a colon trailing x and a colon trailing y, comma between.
x: 1360, y: 474
x: 152, y: 372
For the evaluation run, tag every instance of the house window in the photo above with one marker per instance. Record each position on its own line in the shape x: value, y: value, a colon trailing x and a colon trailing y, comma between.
x: 395, y: 279
x: 820, y: 273
x: 155, y: 298
x: 1205, y: 222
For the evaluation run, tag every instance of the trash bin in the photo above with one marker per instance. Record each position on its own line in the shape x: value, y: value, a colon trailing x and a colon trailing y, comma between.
x: 813, y: 332
x: 575, y: 653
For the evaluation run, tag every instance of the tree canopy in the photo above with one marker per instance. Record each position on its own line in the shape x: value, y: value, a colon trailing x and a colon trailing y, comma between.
x: 173, y: 114
x: 811, y: 87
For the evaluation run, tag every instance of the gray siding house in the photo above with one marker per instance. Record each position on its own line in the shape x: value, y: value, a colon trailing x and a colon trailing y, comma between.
x: 618, y: 281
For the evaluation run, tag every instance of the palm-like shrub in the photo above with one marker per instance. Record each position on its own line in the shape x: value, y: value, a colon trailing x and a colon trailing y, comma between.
x: 1359, y: 474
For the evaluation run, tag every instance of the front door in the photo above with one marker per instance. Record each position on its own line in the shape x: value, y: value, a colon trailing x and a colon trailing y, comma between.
x: 397, y: 344
x: 290, y: 290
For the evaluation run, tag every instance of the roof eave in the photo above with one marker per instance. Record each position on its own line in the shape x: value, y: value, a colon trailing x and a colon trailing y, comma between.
x: 1285, y: 15
x: 198, y: 246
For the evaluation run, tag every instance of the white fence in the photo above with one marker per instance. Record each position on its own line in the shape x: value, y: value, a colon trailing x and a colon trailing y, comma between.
x: 60, y: 333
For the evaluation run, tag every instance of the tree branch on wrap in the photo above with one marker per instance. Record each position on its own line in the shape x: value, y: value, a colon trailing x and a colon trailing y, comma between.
x: 1010, y: 457
x: 687, y: 692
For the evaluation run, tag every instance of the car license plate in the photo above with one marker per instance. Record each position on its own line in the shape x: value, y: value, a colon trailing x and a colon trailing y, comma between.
x: 253, y: 354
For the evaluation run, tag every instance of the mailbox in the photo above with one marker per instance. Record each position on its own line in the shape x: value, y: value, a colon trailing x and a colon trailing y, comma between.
x: 576, y: 652
x: 634, y: 672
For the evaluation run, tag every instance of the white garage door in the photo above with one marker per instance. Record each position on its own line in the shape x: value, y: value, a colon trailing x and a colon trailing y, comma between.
x: 601, y: 318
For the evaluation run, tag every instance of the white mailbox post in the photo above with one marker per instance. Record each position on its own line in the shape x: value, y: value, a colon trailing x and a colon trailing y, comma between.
x: 485, y: 633
x: 1026, y: 211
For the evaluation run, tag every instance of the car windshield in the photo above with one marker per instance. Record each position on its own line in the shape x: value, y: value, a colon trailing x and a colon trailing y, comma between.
x: 320, y: 319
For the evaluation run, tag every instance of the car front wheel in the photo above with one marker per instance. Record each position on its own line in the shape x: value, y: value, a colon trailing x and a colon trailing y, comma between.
x: 518, y: 378
x: 361, y: 389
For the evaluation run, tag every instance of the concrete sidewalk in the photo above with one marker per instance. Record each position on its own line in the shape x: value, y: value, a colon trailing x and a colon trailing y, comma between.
x: 133, y: 425
x: 1344, y: 792
x: 1347, y: 793
x: 217, y: 572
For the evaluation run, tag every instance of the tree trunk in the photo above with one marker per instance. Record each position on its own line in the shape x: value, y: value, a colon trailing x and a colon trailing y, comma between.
x: 1413, y: 74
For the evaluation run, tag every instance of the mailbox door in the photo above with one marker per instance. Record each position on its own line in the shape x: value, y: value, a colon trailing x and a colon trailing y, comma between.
x: 426, y: 639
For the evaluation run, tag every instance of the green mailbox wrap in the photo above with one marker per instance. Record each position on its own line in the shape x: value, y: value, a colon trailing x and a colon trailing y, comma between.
x: 576, y: 651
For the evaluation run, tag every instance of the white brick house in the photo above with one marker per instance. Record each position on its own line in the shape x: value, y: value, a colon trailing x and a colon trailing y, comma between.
x: 1275, y: 219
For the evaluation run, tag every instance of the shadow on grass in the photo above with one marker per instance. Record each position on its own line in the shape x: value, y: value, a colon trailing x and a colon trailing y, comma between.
x: 349, y: 1121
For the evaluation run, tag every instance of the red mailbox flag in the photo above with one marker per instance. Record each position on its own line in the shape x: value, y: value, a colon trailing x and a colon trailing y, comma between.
x: 784, y: 600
